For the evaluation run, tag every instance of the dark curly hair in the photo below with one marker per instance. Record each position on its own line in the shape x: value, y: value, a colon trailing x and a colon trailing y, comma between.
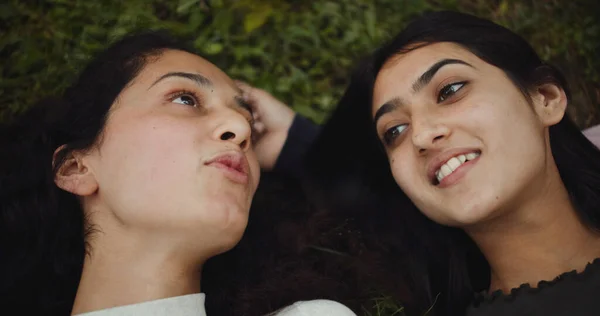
x: 295, y: 250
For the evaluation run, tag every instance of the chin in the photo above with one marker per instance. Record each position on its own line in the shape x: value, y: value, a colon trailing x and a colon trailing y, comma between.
x: 471, y: 214
x: 233, y: 226
x: 225, y: 210
x: 220, y: 239
x: 228, y: 242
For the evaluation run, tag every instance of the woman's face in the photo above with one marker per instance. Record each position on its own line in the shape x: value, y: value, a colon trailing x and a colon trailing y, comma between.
x: 463, y: 142
x: 175, y: 158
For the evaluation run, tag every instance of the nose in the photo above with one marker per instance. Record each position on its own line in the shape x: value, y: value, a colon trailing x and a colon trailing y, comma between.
x: 233, y: 127
x: 428, y: 135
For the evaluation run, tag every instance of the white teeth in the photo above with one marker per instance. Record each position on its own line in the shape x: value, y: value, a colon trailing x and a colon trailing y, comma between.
x: 472, y: 156
x: 445, y: 170
x: 453, y: 164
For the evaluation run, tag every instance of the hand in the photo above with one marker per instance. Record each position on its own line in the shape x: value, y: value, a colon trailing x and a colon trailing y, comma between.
x: 272, y: 120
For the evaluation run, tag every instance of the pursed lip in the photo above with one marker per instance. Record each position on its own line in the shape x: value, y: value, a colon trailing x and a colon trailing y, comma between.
x: 438, y: 160
x: 233, y: 163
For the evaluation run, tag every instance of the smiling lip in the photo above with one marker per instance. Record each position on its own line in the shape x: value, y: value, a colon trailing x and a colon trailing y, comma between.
x: 457, y: 174
x: 439, y: 160
x: 233, y: 164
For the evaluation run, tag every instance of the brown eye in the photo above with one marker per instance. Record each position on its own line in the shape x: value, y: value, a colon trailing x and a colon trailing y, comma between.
x: 450, y: 90
x: 391, y: 134
x: 186, y: 99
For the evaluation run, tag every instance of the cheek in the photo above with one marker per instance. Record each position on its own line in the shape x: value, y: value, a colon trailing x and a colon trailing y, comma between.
x: 151, y: 145
x: 146, y: 161
x: 404, y: 170
x: 254, y: 171
x: 504, y: 111
x: 412, y: 184
x: 509, y: 130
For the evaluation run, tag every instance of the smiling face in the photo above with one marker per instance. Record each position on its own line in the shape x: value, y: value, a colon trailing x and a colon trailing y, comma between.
x: 463, y: 142
x: 175, y: 159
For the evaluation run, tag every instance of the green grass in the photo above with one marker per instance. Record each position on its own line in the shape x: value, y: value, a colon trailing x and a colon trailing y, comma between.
x: 302, y: 51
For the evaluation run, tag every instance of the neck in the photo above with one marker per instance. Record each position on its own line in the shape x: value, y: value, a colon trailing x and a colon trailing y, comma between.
x: 134, y: 270
x: 538, y: 239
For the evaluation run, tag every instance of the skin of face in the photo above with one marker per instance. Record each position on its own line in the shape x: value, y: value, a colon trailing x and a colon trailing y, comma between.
x: 151, y: 173
x: 441, y: 100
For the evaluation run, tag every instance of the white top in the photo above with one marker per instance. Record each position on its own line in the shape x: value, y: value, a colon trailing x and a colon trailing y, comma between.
x: 193, y: 305
x: 185, y: 305
x: 593, y: 134
x: 315, y: 308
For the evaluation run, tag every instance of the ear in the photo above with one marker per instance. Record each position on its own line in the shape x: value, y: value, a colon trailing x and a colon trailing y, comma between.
x: 74, y: 175
x: 550, y: 102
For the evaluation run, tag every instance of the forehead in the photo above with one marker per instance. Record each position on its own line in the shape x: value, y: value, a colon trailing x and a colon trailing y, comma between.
x: 398, y: 74
x: 180, y: 61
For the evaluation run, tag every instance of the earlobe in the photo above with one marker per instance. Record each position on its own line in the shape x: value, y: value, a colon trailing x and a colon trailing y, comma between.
x: 552, y: 103
x: 74, y: 176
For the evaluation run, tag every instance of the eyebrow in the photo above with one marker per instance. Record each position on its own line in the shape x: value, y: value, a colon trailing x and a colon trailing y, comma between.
x: 419, y: 84
x: 197, y: 78
x: 426, y: 77
x: 388, y: 107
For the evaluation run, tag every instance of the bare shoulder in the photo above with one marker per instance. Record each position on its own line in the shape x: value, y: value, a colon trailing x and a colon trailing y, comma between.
x: 316, y: 307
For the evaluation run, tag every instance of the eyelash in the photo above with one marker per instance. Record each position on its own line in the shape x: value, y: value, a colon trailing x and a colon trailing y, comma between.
x: 447, y: 89
x: 180, y: 93
x: 196, y: 98
x: 389, y: 136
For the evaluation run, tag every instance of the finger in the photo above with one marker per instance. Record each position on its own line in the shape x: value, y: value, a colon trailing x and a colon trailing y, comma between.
x: 247, y: 95
x: 241, y: 84
x: 259, y: 127
x: 246, y: 88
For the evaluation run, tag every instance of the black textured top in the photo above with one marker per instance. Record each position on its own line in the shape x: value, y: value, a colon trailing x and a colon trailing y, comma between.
x: 569, y: 294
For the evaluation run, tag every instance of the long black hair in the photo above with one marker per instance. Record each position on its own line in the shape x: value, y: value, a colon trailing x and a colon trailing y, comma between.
x: 43, y: 228
x: 350, y: 168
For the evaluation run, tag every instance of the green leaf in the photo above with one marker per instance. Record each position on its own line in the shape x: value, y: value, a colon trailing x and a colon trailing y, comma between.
x: 185, y: 5
x: 213, y: 48
x: 257, y: 18
x: 503, y: 8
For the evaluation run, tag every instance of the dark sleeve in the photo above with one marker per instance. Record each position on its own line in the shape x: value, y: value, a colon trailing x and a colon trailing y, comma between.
x: 301, y: 136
